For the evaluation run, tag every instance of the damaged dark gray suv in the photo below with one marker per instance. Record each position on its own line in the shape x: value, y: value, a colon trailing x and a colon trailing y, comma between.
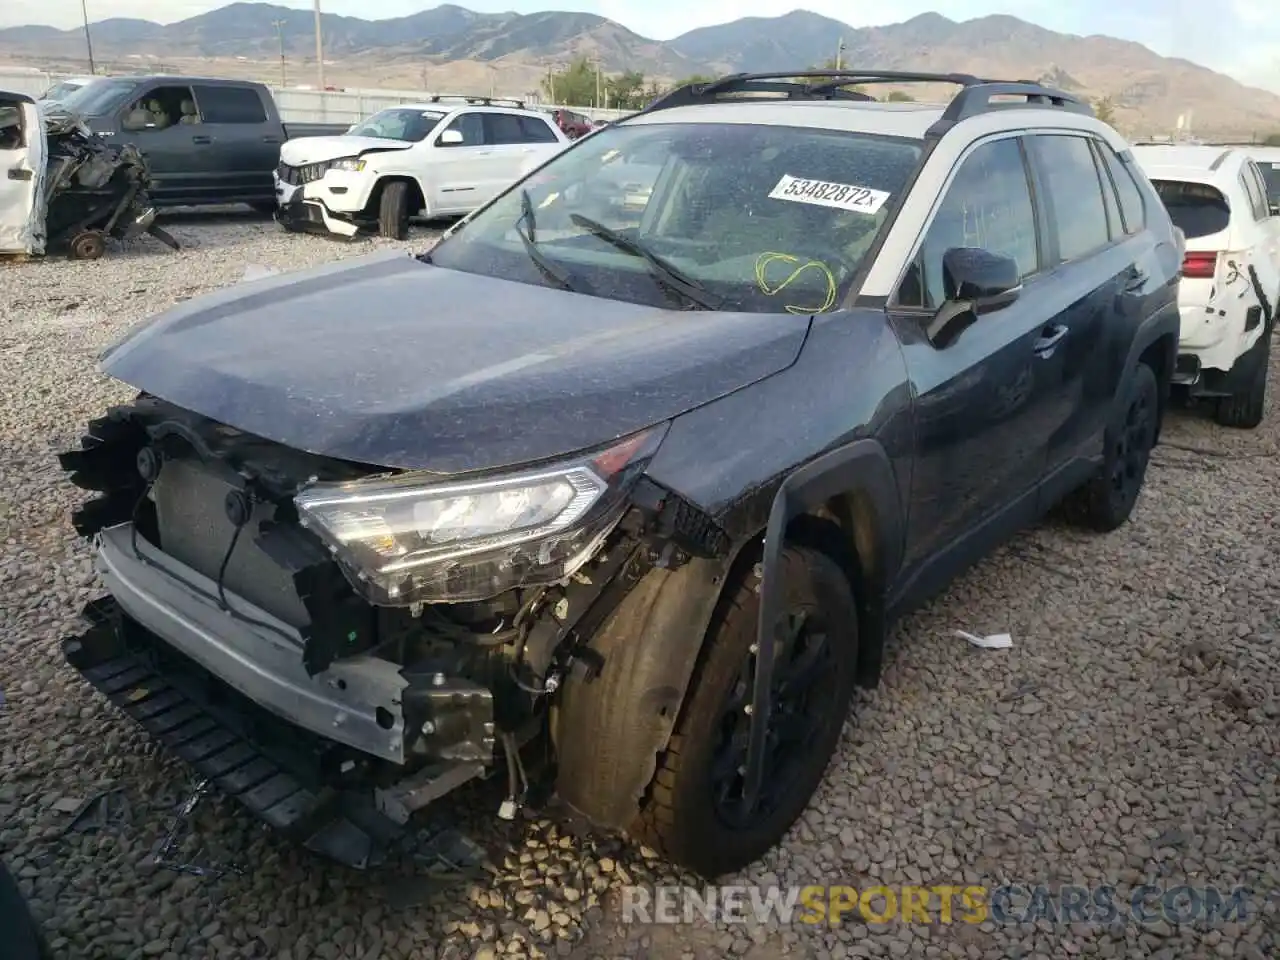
x: 614, y: 492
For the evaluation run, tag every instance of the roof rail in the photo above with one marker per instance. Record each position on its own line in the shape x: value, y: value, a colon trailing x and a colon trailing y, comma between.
x: 975, y: 96
x: 474, y: 100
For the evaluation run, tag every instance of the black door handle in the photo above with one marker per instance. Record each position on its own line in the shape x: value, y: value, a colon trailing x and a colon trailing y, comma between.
x: 204, y: 140
x: 17, y: 173
x: 1049, y: 338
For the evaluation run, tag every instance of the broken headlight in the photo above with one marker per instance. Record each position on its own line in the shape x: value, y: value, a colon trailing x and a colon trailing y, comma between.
x: 412, y: 539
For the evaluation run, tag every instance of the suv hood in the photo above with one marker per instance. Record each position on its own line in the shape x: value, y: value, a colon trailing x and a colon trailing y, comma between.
x: 388, y: 361
x: 304, y: 150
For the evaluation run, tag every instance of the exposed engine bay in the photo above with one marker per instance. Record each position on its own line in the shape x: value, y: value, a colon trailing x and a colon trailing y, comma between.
x: 399, y: 690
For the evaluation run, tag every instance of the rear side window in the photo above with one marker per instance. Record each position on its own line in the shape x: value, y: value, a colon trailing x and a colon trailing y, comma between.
x: 506, y: 128
x: 1071, y: 179
x: 1131, y: 206
x: 230, y: 105
x: 1198, y: 209
x: 536, y: 130
x: 1271, y: 177
x: 1253, y: 190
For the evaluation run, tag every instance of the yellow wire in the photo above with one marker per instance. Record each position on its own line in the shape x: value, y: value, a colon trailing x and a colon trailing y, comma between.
x: 765, y: 259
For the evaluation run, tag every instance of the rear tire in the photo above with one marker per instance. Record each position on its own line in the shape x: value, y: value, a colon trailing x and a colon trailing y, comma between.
x: 1106, y: 501
x: 393, y: 211
x: 1244, y: 410
x: 690, y: 813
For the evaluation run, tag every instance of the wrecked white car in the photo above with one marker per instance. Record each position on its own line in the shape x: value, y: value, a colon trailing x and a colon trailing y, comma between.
x: 66, y: 190
x: 1229, y: 293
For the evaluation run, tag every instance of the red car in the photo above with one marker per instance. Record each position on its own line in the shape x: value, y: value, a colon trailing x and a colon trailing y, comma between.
x: 573, y: 125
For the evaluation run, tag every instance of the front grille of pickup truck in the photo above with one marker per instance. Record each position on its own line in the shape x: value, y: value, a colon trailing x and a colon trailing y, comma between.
x: 297, y: 176
x: 194, y: 530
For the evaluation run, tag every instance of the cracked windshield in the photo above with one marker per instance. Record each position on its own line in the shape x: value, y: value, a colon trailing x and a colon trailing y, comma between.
x: 737, y: 217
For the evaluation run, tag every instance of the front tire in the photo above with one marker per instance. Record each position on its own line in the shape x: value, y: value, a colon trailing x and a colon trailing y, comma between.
x: 1244, y: 410
x: 1106, y: 501
x: 693, y: 812
x: 393, y: 211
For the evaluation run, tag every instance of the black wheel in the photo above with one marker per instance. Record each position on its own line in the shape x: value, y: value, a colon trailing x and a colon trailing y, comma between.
x: 393, y: 211
x: 695, y: 813
x: 88, y: 245
x: 1244, y: 409
x: 1106, y: 501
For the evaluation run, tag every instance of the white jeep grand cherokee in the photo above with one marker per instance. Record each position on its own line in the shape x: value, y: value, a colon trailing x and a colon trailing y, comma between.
x: 434, y: 159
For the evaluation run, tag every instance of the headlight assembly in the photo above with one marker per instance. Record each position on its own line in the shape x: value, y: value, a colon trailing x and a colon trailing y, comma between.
x: 349, y: 164
x: 412, y: 539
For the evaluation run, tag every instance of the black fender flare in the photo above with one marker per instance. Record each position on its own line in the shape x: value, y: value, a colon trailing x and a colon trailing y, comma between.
x: 862, y: 468
x: 1167, y: 322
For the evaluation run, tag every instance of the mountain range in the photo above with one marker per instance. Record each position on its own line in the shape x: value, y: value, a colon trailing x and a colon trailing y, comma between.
x: 1146, y: 90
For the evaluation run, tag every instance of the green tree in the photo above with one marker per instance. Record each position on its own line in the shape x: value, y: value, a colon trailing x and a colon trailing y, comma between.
x: 1104, y: 109
x: 1272, y: 141
x: 627, y: 91
x: 898, y: 96
x: 574, y: 86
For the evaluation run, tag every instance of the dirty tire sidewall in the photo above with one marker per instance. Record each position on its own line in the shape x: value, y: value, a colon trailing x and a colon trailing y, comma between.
x: 679, y: 818
x: 1245, y: 409
x: 393, y: 211
x: 1098, y: 505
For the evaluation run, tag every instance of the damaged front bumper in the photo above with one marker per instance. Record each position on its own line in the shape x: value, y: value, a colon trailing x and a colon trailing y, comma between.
x: 319, y: 758
x: 356, y: 701
x: 296, y: 211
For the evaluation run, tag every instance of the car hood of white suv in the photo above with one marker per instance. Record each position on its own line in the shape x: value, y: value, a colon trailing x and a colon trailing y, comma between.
x: 298, y: 153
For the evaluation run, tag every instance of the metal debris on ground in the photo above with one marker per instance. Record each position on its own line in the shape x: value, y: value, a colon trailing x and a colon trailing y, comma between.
x: 176, y: 827
x: 994, y: 641
x: 449, y: 854
x: 100, y: 812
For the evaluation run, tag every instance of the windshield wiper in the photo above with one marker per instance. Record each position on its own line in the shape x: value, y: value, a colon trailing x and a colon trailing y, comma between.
x: 526, y: 227
x: 668, y: 275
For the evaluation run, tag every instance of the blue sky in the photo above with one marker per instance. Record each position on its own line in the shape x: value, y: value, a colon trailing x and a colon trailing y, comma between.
x: 1239, y: 37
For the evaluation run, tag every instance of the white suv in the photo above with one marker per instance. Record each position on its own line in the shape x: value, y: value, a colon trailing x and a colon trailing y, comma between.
x: 1230, y: 289
x: 431, y: 159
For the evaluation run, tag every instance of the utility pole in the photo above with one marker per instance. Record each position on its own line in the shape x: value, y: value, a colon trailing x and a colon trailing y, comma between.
x: 840, y: 54
x: 319, y: 49
x: 284, y: 75
x: 599, y: 83
x: 88, y: 40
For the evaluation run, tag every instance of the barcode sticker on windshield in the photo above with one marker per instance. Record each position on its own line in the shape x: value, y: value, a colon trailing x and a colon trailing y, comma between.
x: 839, y: 196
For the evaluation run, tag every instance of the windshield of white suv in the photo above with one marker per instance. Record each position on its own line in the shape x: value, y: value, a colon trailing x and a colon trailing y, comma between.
x: 399, y: 123
x: 757, y: 218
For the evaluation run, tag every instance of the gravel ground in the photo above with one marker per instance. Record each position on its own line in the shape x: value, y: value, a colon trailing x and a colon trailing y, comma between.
x: 1129, y: 735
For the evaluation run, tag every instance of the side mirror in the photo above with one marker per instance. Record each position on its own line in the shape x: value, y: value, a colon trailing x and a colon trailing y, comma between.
x: 975, y: 281
x: 450, y: 138
x: 1275, y: 209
